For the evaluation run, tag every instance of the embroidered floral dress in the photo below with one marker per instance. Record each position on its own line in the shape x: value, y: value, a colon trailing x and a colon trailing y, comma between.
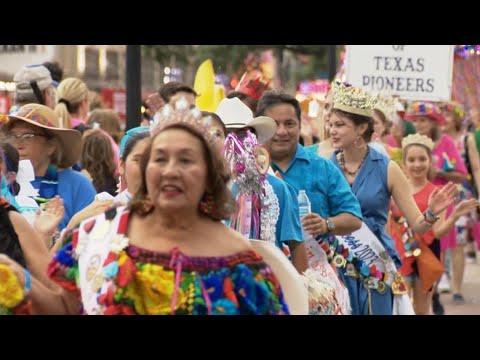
x: 113, y: 277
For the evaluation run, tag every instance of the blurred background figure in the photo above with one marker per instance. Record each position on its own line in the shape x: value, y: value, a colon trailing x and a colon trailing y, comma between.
x: 34, y: 84
x: 107, y: 120
x: 72, y: 104
x: 250, y: 89
x: 56, y: 71
x: 131, y: 150
x: 100, y: 169
x: 37, y: 136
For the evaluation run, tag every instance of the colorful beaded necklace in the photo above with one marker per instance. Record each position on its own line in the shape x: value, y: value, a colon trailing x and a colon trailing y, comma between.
x: 344, y: 168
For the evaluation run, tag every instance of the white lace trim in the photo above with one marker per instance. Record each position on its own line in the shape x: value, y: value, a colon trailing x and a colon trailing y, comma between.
x: 269, y: 214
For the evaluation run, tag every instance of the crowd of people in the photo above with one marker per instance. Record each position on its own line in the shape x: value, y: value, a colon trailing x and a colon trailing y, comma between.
x: 226, y: 212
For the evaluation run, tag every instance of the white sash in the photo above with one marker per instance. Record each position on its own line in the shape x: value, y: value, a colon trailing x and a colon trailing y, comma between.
x: 367, y: 247
x: 318, y: 262
x: 92, y: 250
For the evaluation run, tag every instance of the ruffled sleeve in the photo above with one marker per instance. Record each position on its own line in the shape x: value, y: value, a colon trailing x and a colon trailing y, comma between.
x: 258, y: 290
x: 63, y: 269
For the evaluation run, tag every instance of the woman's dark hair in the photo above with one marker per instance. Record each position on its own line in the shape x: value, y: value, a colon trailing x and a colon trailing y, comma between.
x: 216, y: 118
x: 9, y: 243
x: 358, y: 120
x: 218, y: 176
x: 131, y: 142
x: 12, y: 159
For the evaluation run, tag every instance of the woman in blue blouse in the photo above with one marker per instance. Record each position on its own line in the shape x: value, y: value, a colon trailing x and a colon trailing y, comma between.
x: 373, y: 179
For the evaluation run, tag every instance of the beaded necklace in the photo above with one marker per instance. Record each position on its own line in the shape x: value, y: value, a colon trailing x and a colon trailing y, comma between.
x: 344, y: 168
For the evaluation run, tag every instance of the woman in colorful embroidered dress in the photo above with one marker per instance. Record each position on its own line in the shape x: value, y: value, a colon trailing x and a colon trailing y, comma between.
x: 169, y: 253
x: 374, y: 178
x: 421, y: 274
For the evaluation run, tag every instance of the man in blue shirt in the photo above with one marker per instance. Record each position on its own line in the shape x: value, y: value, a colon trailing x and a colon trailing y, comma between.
x: 335, y: 209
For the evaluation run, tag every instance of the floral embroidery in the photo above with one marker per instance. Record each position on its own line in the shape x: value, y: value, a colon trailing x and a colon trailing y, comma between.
x: 138, y: 281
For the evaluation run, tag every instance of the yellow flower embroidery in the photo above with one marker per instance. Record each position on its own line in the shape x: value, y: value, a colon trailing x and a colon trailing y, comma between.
x: 11, y: 291
x: 152, y: 290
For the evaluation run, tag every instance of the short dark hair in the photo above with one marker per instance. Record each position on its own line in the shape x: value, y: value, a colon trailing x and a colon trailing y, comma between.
x: 273, y: 97
x: 56, y: 71
x: 168, y: 90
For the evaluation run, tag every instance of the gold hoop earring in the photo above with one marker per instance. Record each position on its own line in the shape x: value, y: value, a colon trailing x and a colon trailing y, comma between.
x: 356, y: 141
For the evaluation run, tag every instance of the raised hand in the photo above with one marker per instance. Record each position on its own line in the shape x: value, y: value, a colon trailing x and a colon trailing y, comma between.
x: 47, y: 221
x: 465, y: 207
x: 440, y: 199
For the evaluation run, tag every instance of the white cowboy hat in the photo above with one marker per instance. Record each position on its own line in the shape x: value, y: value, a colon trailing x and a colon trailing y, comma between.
x: 296, y: 294
x: 236, y: 115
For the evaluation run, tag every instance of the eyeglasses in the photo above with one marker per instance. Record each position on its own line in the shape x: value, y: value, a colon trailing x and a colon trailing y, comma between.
x: 24, y: 138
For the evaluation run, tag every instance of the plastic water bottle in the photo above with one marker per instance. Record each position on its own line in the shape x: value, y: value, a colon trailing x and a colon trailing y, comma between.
x: 305, y: 208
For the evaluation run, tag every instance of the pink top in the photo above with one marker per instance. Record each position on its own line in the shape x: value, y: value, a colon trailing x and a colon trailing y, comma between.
x: 74, y: 122
x: 391, y: 141
x: 446, y: 146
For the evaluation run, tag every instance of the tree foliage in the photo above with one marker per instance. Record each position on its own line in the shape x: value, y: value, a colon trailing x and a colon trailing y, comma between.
x: 230, y: 59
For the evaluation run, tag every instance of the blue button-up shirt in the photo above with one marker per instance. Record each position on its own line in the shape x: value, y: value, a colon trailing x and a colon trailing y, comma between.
x: 327, y: 189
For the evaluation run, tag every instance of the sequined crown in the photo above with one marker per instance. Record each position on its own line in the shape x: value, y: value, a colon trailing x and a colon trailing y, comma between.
x: 353, y: 100
x: 181, y: 113
x: 386, y: 104
x: 251, y: 84
x: 417, y: 139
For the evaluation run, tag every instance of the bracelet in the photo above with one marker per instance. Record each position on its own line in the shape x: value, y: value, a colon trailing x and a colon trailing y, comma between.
x: 430, y: 214
x: 430, y: 217
x: 28, y: 282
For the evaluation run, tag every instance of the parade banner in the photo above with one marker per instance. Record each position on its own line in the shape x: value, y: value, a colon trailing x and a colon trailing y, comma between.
x: 415, y: 72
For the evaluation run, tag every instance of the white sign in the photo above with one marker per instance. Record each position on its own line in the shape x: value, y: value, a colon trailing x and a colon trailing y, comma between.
x: 13, y: 57
x: 415, y: 72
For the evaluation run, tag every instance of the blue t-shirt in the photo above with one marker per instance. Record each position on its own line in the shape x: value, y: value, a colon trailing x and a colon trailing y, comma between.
x: 327, y: 189
x: 75, y: 189
x: 288, y: 225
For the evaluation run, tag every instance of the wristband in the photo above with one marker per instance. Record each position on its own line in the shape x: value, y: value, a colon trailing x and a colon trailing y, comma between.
x: 28, y: 282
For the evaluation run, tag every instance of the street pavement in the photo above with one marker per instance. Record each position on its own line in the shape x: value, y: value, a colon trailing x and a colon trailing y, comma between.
x: 471, y: 293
